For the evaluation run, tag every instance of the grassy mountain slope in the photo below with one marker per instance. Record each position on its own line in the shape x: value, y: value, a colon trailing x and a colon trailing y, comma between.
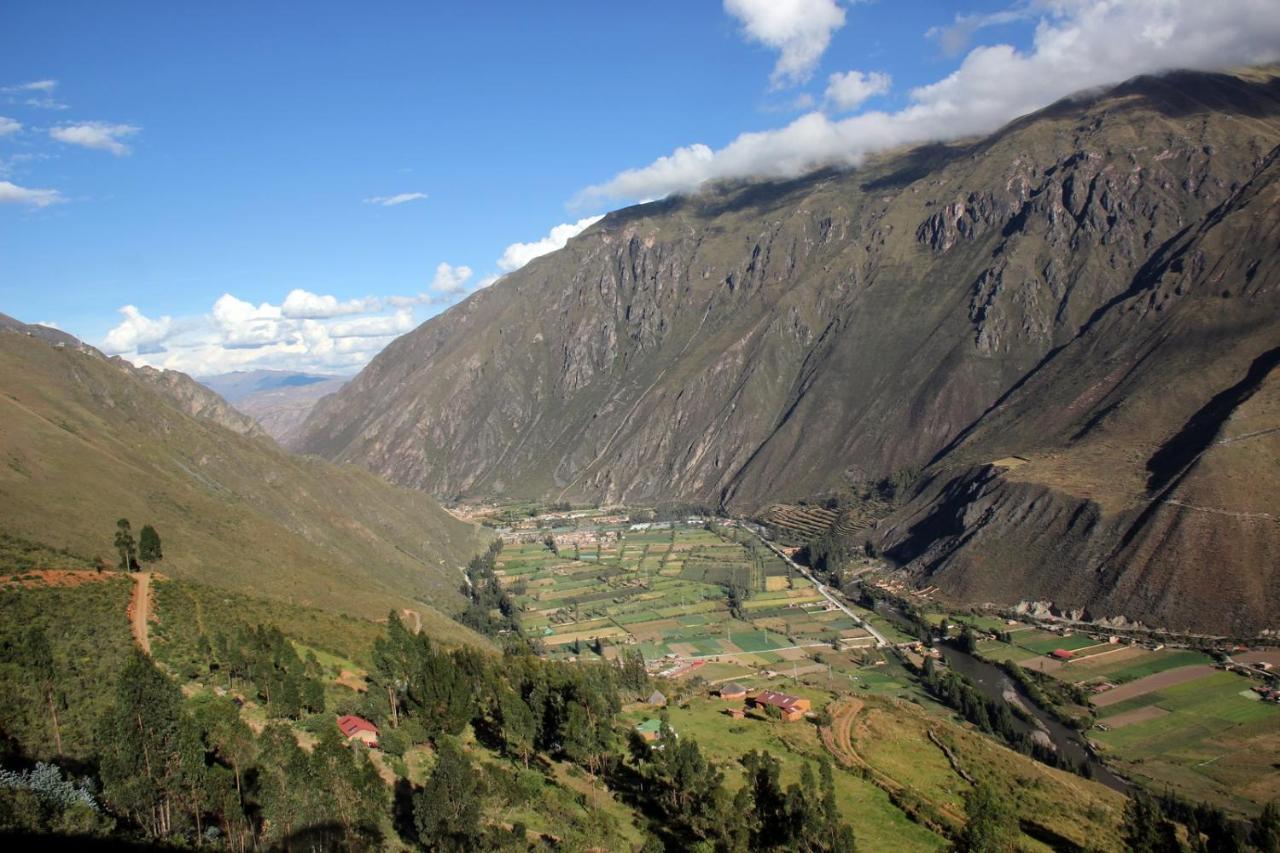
x: 86, y: 440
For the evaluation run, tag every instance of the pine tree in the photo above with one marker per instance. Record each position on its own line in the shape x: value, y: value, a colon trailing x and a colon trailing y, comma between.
x: 125, y: 545
x: 149, y: 545
x: 448, y: 809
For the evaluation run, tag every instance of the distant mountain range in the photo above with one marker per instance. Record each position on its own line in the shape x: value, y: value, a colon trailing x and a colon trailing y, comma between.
x: 1068, y: 329
x: 278, y: 400
x: 87, y: 439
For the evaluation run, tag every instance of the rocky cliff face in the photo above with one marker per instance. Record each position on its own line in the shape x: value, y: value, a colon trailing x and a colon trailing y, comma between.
x: 1136, y: 471
x: 759, y: 342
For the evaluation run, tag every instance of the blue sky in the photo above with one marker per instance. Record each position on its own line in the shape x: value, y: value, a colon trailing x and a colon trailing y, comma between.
x: 187, y: 152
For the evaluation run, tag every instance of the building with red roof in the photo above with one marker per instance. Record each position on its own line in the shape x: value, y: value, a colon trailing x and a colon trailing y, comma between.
x: 1062, y: 654
x: 792, y: 707
x: 358, y: 728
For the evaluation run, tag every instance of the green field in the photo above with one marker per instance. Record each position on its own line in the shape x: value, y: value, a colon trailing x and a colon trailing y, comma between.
x: 667, y: 591
x: 1208, y: 742
x: 1131, y: 670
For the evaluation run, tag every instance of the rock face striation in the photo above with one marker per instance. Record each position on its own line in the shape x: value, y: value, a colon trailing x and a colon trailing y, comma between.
x: 1070, y: 326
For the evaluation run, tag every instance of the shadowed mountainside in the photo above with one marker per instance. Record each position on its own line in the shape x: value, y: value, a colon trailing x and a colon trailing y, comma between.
x: 767, y: 341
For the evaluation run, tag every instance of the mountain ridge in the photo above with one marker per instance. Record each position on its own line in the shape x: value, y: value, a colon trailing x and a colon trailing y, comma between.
x: 759, y: 342
x: 87, y: 439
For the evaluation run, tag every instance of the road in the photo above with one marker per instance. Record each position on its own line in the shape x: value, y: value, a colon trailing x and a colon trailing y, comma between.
x: 881, y: 641
x: 139, y: 609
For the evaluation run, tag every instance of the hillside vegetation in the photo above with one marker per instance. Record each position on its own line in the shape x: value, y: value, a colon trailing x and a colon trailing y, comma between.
x: 85, y: 440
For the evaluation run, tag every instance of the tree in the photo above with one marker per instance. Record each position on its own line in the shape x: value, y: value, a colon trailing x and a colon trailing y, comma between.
x: 39, y: 655
x: 519, y: 726
x: 448, y: 809
x: 1145, y: 829
x: 152, y: 760
x: 125, y: 545
x: 1265, y: 834
x: 991, y: 827
x: 149, y: 545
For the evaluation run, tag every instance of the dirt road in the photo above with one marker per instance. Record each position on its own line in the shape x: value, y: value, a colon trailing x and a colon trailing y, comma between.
x: 881, y: 640
x: 140, y: 609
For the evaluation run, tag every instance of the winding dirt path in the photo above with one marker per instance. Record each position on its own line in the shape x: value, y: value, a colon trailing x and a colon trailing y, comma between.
x: 839, y: 738
x: 140, y: 610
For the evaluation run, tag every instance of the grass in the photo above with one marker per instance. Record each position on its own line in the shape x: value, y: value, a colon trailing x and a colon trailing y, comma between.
x: 89, y: 635
x: 1132, y: 670
x: 181, y: 606
x: 232, y: 510
x: 877, y: 823
x: 1214, y: 744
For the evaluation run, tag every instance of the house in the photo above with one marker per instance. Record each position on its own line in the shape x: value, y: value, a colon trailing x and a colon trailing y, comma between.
x: 656, y: 699
x: 355, y: 728
x: 792, y: 707
x: 1062, y: 654
x: 736, y: 713
x: 732, y: 690
x: 650, y: 730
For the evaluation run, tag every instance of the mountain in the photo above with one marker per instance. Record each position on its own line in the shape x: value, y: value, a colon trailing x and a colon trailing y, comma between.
x: 86, y: 440
x: 1087, y: 279
x: 277, y: 400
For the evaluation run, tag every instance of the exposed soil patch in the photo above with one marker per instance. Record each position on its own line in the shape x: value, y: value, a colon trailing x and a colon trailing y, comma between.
x: 57, y: 577
x: 1137, y: 715
x: 1152, y: 683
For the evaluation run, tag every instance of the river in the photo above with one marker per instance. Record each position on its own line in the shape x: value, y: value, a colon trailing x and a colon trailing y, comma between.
x: 996, y: 684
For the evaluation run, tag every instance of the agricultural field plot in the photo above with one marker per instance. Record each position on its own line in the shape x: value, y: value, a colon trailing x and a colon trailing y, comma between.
x: 1044, y: 642
x: 666, y: 591
x: 1130, y: 663
x: 1203, y: 737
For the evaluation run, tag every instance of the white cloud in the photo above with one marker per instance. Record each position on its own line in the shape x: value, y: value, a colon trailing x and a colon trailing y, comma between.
x: 519, y: 254
x: 373, y: 327
x: 393, y: 200
x: 799, y: 30
x: 44, y: 86
x: 137, y: 333
x: 956, y: 37
x: 11, y: 193
x: 240, y: 335
x: 305, y: 305
x: 486, y: 281
x: 96, y: 134
x: 848, y: 90
x: 450, y: 279
x: 1078, y: 44
x: 8, y: 126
